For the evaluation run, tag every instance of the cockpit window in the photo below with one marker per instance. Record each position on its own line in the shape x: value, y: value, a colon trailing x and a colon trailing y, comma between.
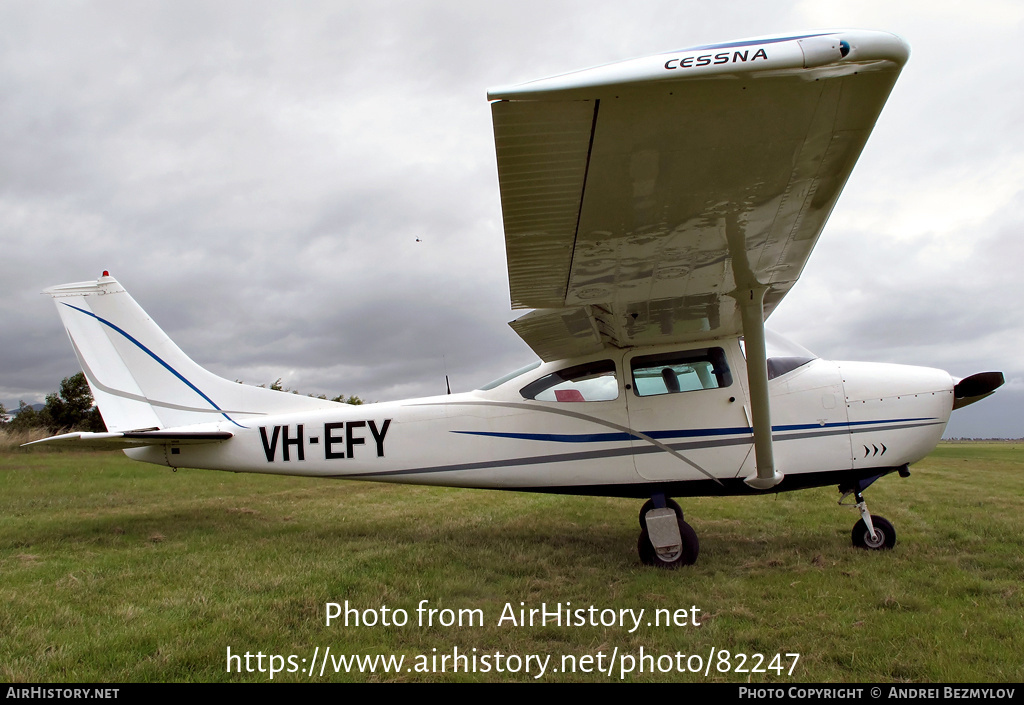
x: 593, y: 381
x: 685, y: 371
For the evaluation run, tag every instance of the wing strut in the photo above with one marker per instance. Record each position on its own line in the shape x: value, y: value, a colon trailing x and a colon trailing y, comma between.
x: 751, y: 304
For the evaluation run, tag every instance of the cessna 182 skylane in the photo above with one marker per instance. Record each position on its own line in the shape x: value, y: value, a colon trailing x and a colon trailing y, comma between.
x: 655, y: 212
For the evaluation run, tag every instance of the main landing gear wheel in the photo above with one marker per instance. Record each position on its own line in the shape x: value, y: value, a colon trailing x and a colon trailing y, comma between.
x: 883, y: 540
x: 674, y: 552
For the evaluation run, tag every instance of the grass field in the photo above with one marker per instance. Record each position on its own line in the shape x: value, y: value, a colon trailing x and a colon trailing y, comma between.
x: 114, y: 571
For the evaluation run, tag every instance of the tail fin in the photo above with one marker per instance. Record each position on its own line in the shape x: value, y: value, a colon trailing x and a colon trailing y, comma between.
x: 140, y: 379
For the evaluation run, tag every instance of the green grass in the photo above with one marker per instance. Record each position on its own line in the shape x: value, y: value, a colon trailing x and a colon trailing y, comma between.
x: 114, y: 571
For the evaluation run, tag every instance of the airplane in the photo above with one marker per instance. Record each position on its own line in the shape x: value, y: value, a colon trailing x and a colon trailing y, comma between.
x: 656, y: 211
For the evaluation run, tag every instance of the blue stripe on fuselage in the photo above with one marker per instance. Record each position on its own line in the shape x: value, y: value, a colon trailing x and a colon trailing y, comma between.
x: 156, y: 357
x: 678, y: 433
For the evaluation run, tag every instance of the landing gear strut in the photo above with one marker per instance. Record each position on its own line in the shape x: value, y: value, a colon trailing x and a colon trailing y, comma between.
x: 666, y: 541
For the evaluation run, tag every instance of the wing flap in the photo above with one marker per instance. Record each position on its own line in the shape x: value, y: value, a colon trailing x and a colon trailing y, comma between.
x: 556, y: 334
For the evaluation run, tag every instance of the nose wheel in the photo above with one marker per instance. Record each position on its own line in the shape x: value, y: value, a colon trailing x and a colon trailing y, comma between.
x: 666, y: 541
x: 883, y: 537
x: 872, y: 532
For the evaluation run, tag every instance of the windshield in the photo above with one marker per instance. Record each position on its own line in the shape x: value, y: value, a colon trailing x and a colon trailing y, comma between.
x: 783, y: 354
x: 779, y: 346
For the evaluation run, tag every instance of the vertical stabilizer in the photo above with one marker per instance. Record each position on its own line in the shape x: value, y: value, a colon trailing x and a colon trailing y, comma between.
x: 140, y: 379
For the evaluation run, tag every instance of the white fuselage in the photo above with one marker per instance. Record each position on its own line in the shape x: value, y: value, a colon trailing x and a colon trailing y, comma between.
x: 830, y: 421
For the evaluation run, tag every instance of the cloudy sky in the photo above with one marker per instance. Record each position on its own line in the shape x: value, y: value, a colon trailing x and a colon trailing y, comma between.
x: 308, y: 190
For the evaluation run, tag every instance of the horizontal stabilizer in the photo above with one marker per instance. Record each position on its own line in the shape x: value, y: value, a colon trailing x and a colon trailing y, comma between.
x: 133, y: 439
x: 975, y: 388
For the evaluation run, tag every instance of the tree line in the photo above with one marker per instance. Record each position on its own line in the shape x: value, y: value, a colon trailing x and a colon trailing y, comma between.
x: 71, y: 408
x: 278, y: 387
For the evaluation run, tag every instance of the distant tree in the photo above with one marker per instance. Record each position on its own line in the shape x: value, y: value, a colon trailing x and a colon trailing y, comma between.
x: 354, y: 400
x: 25, y: 419
x: 70, y: 408
x: 3, y: 415
x: 279, y: 387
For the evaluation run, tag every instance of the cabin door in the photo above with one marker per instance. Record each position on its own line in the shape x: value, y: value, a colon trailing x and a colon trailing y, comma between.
x: 688, y: 404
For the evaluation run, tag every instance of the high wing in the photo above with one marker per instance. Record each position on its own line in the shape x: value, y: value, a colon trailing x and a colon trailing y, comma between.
x: 641, y: 198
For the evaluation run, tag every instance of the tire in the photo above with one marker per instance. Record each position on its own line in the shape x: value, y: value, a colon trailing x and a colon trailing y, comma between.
x: 885, y: 535
x: 649, y: 505
x: 688, y: 556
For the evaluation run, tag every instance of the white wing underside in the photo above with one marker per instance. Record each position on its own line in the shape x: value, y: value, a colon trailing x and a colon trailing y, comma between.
x: 637, y: 196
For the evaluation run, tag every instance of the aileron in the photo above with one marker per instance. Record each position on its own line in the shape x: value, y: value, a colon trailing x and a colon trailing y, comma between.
x: 543, y: 152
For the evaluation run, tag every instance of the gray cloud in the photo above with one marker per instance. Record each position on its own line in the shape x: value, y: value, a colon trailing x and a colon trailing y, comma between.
x: 258, y: 173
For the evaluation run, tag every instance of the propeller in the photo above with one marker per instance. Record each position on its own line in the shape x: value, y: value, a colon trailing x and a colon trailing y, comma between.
x: 976, y: 387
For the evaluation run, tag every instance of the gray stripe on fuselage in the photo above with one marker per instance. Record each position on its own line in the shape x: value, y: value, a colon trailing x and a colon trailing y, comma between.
x: 592, y: 454
x: 585, y: 417
x: 91, y: 376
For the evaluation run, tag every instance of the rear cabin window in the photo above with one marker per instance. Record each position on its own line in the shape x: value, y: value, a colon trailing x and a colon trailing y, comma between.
x: 593, y: 381
x: 687, y: 371
x: 510, y: 376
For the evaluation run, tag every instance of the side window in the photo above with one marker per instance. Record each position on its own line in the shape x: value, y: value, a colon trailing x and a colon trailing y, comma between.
x: 593, y: 381
x: 685, y: 371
